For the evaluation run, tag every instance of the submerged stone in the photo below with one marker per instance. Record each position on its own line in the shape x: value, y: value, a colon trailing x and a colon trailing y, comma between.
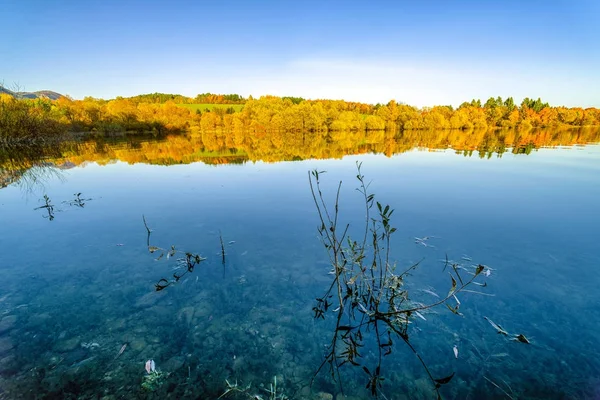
x: 7, y: 323
x: 38, y: 320
x: 148, y: 300
x: 343, y: 397
x: 173, y: 363
x: 324, y: 396
x: 138, y: 344
x: 6, y: 344
x: 67, y: 345
x: 186, y: 314
x: 6, y: 363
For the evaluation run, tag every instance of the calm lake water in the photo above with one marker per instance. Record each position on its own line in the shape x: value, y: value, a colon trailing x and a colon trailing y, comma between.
x: 77, y: 283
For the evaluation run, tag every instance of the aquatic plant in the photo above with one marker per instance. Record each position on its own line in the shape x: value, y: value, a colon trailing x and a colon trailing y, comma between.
x: 152, y: 381
x: 367, y: 294
x: 48, y: 206
x: 77, y: 201
x: 500, y: 330
x: 186, y: 263
x: 271, y: 392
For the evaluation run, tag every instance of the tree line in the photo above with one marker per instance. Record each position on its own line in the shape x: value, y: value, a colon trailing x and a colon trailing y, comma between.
x: 149, y: 113
x: 203, y: 98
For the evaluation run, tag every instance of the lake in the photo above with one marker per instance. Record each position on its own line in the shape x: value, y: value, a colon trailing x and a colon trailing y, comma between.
x: 80, y: 316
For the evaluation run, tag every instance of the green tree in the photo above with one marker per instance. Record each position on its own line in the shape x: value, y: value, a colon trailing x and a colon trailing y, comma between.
x: 510, y: 104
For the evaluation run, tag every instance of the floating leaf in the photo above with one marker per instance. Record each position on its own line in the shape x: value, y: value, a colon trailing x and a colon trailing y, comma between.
x: 453, y: 288
x: 521, y: 338
x: 362, y: 308
x: 455, y: 268
x: 498, y: 328
x: 456, y: 298
x: 445, y: 380
x: 453, y: 309
x: 171, y: 253
x: 430, y: 292
x: 161, y: 284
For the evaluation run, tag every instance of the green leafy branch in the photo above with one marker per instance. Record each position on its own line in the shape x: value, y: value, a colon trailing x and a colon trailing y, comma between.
x: 369, y: 298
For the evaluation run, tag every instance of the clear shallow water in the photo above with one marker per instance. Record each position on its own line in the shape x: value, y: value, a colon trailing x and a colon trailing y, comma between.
x: 76, y: 289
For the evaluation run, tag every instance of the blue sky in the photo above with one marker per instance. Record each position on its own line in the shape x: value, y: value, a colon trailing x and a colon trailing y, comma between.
x: 422, y: 53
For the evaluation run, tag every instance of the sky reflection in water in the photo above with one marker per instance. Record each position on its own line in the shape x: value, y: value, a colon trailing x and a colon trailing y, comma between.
x: 86, y: 277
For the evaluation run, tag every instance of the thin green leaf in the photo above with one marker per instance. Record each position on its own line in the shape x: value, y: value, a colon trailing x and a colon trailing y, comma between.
x: 453, y: 288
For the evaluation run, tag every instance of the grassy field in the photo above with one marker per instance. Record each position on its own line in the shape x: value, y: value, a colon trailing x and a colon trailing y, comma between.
x: 204, y: 107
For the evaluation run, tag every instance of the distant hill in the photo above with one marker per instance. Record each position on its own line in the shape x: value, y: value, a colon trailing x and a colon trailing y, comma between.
x: 32, y: 95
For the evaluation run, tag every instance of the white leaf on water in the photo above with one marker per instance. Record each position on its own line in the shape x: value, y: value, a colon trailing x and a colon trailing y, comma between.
x: 420, y: 315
